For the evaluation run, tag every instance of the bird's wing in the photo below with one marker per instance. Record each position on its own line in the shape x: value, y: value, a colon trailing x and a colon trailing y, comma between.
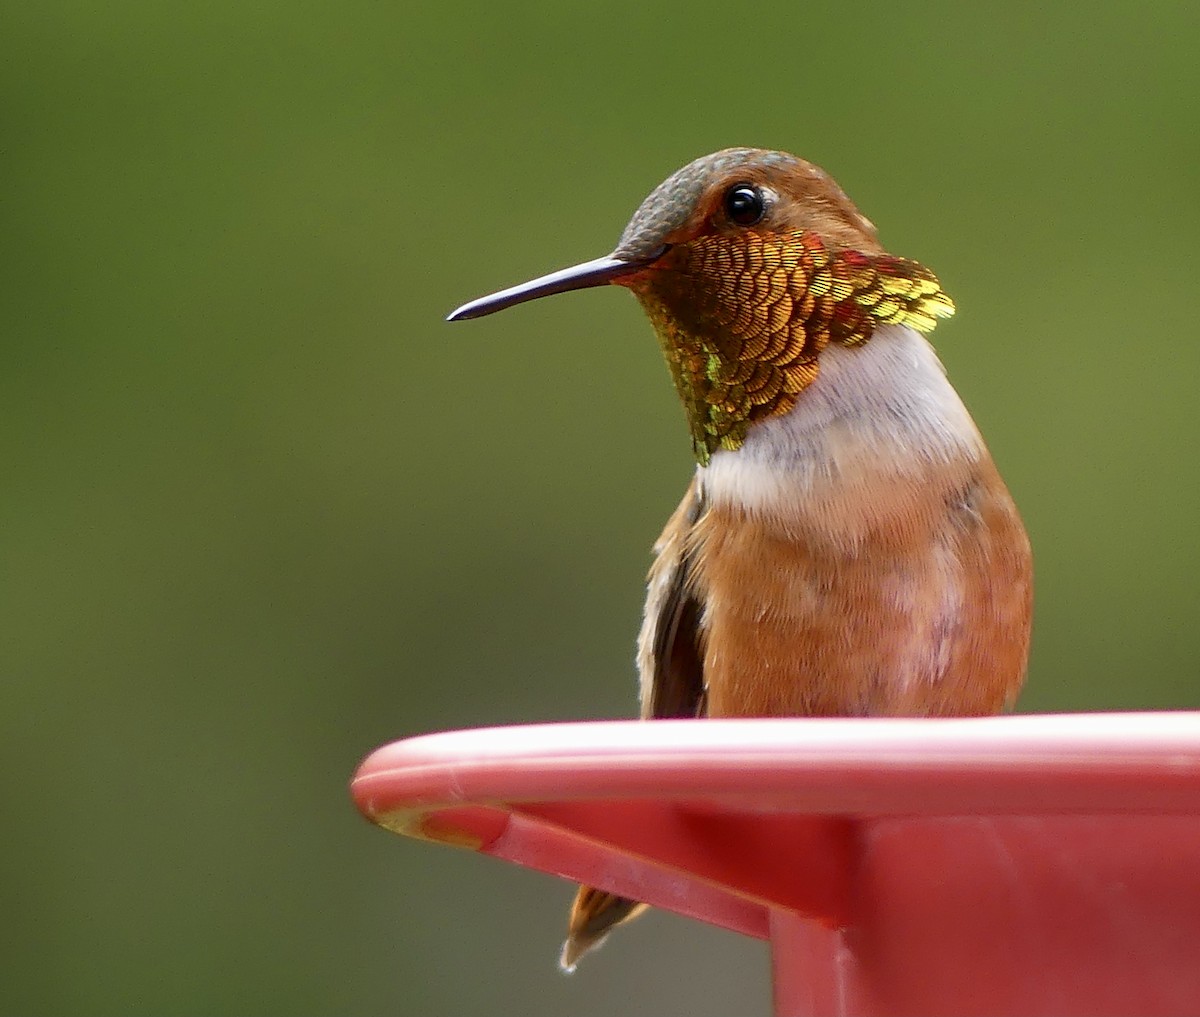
x: 672, y: 685
x: 670, y: 659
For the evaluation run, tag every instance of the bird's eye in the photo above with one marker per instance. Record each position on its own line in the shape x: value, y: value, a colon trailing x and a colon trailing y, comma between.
x: 744, y: 204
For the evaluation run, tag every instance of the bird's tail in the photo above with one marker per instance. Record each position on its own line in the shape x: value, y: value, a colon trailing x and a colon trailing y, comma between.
x: 593, y: 915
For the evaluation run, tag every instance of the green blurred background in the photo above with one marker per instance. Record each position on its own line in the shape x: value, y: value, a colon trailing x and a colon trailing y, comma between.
x: 264, y: 511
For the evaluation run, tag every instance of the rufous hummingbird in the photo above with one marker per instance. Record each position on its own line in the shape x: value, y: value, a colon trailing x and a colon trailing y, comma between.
x: 846, y: 546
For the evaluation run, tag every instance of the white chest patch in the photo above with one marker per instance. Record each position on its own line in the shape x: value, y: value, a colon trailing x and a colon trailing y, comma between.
x: 878, y: 419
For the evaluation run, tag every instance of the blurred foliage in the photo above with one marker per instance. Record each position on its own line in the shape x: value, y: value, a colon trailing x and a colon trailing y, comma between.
x: 263, y: 511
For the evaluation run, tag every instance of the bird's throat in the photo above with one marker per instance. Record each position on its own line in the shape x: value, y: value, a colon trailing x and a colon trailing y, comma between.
x: 743, y: 325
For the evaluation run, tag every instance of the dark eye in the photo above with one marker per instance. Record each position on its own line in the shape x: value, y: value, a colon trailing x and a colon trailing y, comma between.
x: 744, y: 204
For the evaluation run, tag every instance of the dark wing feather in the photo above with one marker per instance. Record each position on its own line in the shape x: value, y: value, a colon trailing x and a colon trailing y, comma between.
x: 670, y: 654
x: 670, y: 662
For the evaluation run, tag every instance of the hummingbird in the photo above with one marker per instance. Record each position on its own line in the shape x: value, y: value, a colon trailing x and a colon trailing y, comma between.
x: 846, y: 546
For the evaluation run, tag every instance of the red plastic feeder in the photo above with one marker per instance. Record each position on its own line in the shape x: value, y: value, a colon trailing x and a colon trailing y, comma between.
x: 1015, y: 865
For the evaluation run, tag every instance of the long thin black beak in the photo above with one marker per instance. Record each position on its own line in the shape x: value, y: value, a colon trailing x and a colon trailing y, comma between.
x: 577, y: 277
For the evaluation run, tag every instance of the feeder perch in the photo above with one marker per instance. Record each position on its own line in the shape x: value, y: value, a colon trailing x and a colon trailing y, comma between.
x: 1007, y: 865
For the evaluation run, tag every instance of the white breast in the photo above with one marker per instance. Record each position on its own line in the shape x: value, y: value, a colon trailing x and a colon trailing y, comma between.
x: 879, y: 424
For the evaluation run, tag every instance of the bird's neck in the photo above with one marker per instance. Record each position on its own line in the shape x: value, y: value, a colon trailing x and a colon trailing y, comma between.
x: 879, y: 433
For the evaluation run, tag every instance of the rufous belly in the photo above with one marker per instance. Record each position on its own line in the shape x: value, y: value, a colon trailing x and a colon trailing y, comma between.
x: 927, y: 614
